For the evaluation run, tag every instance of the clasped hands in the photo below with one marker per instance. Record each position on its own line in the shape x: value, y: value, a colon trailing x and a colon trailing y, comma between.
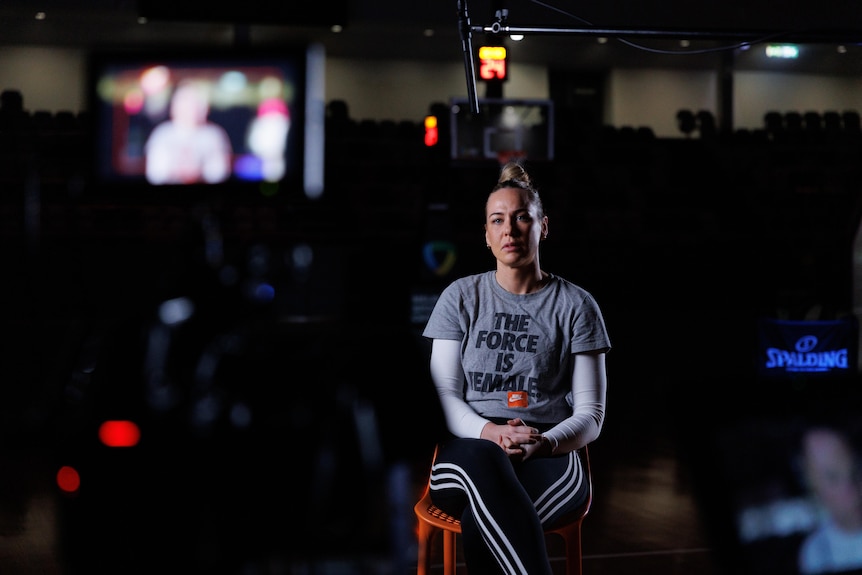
x: 519, y: 440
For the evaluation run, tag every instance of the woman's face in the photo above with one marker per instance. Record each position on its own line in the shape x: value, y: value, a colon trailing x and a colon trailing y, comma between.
x: 513, y: 227
x: 189, y: 106
x: 834, y: 476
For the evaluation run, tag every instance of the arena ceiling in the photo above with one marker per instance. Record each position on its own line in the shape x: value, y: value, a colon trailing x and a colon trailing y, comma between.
x: 584, y: 34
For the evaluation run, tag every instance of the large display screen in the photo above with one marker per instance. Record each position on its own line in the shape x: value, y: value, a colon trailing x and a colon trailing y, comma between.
x: 181, y: 118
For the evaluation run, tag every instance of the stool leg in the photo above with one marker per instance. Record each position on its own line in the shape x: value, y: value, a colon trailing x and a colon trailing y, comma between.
x: 572, y: 541
x: 424, y: 536
x: 449, y: 553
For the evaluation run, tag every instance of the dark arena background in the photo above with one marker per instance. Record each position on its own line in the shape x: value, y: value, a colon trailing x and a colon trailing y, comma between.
x: 229, y: 378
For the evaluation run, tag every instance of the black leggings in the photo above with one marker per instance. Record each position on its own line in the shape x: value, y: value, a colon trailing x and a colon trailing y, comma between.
x: 502, y: 505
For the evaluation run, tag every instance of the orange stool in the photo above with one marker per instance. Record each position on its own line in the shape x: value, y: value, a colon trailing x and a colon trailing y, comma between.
x: 432, y: 520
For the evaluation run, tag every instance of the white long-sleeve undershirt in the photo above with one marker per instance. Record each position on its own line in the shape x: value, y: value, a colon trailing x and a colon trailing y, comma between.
x: 589, y: 390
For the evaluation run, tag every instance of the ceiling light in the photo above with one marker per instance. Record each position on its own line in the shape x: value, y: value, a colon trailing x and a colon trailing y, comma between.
x: 782, y: 51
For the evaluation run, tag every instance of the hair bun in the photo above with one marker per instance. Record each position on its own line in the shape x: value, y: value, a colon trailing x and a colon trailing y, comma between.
x: 514, y: 172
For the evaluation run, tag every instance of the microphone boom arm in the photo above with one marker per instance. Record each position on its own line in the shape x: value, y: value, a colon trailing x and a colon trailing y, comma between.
x: 498, y: 28
x: 465, y: 31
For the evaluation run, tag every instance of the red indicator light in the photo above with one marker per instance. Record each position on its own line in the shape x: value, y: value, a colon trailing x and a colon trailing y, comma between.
x: 432, y: 135
x: 68, y: 479
x: 119, y: 433
x: 493, y: 69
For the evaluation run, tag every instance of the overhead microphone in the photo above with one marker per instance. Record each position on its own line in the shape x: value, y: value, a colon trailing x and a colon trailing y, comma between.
x: 467, y: 47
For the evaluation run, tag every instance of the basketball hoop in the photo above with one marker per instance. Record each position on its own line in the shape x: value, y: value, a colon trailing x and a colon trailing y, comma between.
x: 506, y: 156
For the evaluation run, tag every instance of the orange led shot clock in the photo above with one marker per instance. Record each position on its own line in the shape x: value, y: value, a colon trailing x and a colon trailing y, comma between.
x: 492, y: 63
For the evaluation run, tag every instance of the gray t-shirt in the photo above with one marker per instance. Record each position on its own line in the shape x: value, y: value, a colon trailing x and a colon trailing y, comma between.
x: 516, y: 349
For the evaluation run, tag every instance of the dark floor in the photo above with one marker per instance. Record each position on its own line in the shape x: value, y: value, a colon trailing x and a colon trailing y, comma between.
x: 653, y: 511
x: 644, y: 519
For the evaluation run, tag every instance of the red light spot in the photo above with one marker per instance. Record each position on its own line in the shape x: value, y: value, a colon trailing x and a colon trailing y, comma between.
x: 68, y: 479
x: 492, y: 69
x: 119, y: 433
x: 133, y: 102
x: 431, y: 133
